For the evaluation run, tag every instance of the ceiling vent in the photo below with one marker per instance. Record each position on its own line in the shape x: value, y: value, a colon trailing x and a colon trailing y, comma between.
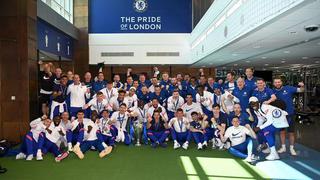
x: 163, y: 54
x: 116, y: 54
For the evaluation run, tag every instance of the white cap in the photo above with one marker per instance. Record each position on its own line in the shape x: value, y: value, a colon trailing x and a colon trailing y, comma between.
x: 253, y: 99
x: 133, y: 88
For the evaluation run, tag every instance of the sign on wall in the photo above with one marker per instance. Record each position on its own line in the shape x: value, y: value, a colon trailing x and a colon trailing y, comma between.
x: 140, y: 16
x: 54, y: 41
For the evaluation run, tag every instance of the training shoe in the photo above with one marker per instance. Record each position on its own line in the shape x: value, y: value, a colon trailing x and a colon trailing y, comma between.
x: 78, y: 152
x: 292, y: 151
x: 29, y: 157
x: 272, y: 156
x: 185, y: 145
x: 266, y: 150
x: 249, y: 159
x: 282, y: 150
x: 227, y: 145
x: 204, y: 144
x: 176, y: 145
x: 199, y: 146
x: 138, y: 144
x: 39, y: 156
x: 21, y: 156
x: 62, y: 156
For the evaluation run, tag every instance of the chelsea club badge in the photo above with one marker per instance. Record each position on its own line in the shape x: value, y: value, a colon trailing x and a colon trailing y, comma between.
x: 140, y: 5
x: 276, y: 113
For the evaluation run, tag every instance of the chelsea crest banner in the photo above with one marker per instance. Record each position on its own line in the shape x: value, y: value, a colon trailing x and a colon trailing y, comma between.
x: 140, y: 16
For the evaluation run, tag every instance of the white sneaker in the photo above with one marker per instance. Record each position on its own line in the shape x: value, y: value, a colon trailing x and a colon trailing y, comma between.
x: 272, y: 156
x: 39, y: 156
x: 30, y: 157
x: 21, y: 156
x: 213, y: 145
x: 293, y: 152
x: 218, y: 142
x: 70, y: 149
x: 266, y: 151
x: 227, y: 145
x: 199, y: 146
x: 185, y: 145
x: 282, y: 150
x: 176, y: 145
x: 248, y: 159
x: 204, y: 144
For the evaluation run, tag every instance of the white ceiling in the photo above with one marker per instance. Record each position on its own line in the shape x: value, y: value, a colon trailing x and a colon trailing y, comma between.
x: 280, y: 44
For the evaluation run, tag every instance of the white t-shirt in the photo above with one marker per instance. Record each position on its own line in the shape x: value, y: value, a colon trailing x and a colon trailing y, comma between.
x: 121, y: 120
x: 104, y: 126
x: 55, y: 135
x: 98, y: 106
x: 179, y: 126
x: 163, y: 112
x: 131, y: 101
x: 37, y: 127
x: 174, y: 104
x: 207, y: 99
x: 228, y: 102
x: 237, y: 135
x: 109, y: 93
x: 188, y: 109
x: 77, y: 95
x: 114, y: 104
x: 268, y: 115
x: 141, y: 114
x: 66, y: 126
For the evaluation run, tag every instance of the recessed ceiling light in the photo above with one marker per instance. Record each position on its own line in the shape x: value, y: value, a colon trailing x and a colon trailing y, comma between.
x: 305, y: 57
x: 276, y: 67
x: 263, y: 57
x: 203, y: 66
x: 42, y: 57
x: 283, y: 62
x: 248, y: 61
x: 234, y: 54
x: 256, y: 47
x: 286, y: 52
x: 264, y: 69
x: 266, y: 64
x: 306, y: 40
x: 317, y: 62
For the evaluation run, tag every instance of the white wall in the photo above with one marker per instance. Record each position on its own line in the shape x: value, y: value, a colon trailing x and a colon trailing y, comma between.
x: 139, y: 44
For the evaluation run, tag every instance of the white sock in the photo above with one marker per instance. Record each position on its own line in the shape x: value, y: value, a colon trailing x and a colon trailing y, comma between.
x: 273, y: 150
x: 78, y: 144
x: 187, y: 142
x: 291, y: 146
x: 175, y: 141
x: 104, y: 145
x: 283, y: 146
x: 39, y: 151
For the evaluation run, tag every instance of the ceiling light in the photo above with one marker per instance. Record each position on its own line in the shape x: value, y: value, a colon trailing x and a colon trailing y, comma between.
x: 263, y: 57
x: 248, y: 61
x: 266, y: 64
x: 283, y: 62
x: 305, y: 57
x: 203, y: 66
x: 210, y: 63
x: 286, y: 52
x: 317, y: 62
x: 42, y: 57
x: 235, y: 64
x: 264, y: 69
x: 234, y: 54
x: 256, y: 47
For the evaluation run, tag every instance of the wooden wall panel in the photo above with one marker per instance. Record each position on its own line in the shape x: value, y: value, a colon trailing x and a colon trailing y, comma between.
x: 18, y: 66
